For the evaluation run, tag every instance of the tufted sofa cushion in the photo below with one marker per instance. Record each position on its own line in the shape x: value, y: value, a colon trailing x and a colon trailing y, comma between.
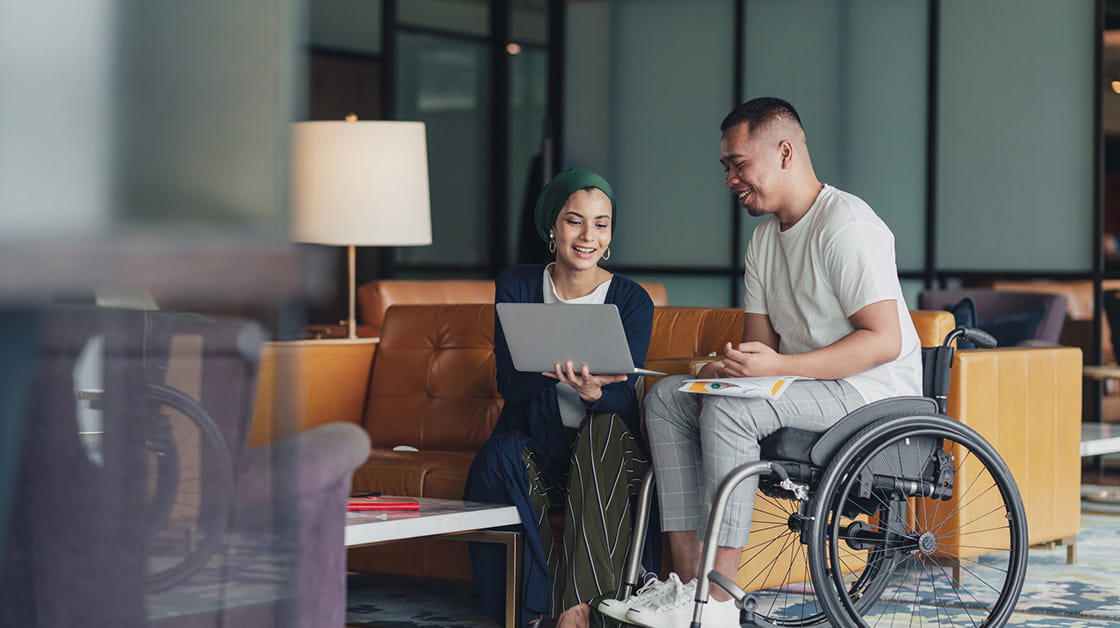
x: 433, y: 382
x: 432, y: 387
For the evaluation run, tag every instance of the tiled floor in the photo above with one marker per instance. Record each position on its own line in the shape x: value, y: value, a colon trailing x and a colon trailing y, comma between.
x: 454, y: 606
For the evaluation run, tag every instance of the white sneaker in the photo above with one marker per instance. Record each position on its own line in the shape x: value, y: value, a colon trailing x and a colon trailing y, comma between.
x: 654, y: 593
x: 678, y: 614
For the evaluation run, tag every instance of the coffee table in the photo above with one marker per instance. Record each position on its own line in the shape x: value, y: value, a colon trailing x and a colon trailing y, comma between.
x: 1099, y: 438
x: 447, y: 518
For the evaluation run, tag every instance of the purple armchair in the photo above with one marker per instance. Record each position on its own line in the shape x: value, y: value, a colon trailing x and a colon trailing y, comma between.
x: 93, y: 518
x: 1012, y: 317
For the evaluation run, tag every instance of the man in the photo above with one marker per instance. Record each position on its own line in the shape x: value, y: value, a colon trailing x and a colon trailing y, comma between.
x: 822, y: 301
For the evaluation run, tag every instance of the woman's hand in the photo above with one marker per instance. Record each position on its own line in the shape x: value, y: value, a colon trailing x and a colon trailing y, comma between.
x: 588, y: 386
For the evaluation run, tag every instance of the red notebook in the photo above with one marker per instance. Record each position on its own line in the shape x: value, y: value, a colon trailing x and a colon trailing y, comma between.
x: 383, y: 503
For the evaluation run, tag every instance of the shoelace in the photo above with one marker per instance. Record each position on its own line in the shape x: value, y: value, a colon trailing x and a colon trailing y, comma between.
x: 653, y: 593
x: 683, y: 595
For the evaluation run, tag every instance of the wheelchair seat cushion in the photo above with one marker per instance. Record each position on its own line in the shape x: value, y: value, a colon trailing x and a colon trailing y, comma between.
x: 818, y: 448
x: 789, y: 443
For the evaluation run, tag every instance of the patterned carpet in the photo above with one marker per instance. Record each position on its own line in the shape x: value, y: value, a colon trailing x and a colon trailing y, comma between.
x: 1085, y: 595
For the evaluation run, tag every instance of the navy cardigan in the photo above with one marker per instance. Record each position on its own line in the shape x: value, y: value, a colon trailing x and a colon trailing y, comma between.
x: 530, y: 398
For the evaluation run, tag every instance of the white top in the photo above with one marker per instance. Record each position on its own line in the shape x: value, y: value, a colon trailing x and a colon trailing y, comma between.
x: 810, y: 278
x: 572, y: 409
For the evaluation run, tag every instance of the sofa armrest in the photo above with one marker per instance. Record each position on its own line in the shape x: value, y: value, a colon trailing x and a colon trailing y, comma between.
x: 305, y: 383
x: 679, y: 366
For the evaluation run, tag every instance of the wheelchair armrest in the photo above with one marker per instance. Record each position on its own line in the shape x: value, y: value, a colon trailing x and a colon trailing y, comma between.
x: 835, y: 437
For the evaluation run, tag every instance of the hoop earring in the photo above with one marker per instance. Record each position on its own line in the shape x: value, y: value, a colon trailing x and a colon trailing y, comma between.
x: 607, y: 254
x: 551, y: 243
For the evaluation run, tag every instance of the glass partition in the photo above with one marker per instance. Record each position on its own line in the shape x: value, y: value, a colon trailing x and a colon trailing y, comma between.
x: 528, y: 106
x: 445, y: 82
x: 456, y: 16
x: 528, y: 22
x: 668, y: 96
x: 858, y: 79
x: 1016, y: 165
x: 350, y: 25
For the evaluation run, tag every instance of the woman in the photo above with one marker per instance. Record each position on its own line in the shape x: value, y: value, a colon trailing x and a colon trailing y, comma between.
x: 565, y: 441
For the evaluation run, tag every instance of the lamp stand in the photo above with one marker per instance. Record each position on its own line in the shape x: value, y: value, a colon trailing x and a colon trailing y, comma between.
x: 351, y: 261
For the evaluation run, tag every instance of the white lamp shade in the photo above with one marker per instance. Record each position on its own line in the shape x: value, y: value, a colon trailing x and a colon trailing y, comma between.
x: 360, y: 183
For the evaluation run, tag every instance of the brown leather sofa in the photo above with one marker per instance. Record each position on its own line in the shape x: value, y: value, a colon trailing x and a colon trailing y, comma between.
x: 429, y: 384
x: 375, y: 297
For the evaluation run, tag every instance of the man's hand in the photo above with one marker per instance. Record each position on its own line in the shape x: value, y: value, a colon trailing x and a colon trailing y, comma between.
x: 589, y: 387
x: 750, y: 359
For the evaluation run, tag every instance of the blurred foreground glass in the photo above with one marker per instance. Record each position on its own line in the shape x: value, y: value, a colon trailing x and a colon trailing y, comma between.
x: 144, y: 149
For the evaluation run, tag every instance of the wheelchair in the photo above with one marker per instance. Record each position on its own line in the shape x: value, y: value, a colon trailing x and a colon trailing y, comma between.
x: 895, y: 515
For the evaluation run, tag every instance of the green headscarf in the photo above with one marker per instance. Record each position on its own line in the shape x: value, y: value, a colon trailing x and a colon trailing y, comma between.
x: 556, y: 193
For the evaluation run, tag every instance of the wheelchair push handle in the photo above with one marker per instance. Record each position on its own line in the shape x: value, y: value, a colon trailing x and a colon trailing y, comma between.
x: 977, y: 336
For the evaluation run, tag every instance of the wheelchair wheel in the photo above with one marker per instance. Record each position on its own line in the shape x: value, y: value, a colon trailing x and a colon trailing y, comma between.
x: 189, y: 491
x: 927, y: 514
x: 779, y: 562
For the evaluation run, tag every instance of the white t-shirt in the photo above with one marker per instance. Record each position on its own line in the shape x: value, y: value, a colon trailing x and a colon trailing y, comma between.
x: 810, y: 278
x: 571, y: 406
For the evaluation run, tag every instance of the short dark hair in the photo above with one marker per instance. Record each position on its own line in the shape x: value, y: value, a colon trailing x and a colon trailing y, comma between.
x: 759, y: 112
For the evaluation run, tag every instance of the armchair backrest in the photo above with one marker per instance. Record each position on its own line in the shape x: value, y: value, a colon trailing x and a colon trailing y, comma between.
x: 1006, y: 315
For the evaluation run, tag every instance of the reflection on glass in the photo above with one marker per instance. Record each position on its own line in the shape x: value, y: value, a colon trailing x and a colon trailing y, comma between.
x: 444, y: 82
x: 694, y: 290
x: 528, y: 101
x: 349, y: 26
x: 460, y: 16
x: 528, y: 21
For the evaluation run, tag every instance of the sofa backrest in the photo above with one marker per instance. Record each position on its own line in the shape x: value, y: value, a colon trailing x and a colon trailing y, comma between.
x: 699, y: 331
x: 376, y: 297
x: 693, y: 331
x: 433, y: 386
x: 657, y: 293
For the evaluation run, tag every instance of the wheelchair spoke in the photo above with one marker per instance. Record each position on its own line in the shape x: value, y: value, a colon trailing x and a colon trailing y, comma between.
x: 777, y: 564
x: 914, y: 554
x: 971, y: 500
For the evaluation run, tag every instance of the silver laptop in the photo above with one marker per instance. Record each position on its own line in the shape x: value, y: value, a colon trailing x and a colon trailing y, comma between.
x: 539, y: 335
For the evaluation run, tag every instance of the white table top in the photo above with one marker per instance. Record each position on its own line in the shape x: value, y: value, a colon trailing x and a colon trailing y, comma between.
x: 436, y: 516
x: 1100, y: 438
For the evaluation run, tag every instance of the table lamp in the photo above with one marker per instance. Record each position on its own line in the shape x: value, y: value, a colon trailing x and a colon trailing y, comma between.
x: 360, y: 184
